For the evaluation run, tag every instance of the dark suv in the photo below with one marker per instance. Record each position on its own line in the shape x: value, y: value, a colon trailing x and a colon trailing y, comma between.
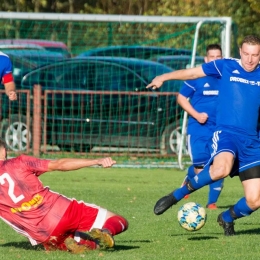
x: 103, y: 102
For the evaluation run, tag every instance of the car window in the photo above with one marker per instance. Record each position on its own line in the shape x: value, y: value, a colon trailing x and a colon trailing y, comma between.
x: 21, y: 66
x: 97, y: 76
x: 116, y: 78
x: 45, y: 77
x: 178, y: 63
x: 91, y: 75
x: 70, y: 75
x: 148, y: 73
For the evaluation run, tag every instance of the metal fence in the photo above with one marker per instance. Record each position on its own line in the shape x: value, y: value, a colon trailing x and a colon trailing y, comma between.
x: 94, y: 122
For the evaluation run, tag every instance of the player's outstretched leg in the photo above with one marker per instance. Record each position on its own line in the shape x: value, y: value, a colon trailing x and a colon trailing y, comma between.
x: 199, y: 181
x: 164, y: 203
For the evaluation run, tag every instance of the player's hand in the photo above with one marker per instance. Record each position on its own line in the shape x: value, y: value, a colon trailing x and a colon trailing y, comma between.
x: 12, y: 95
x: 106, y: 162
x: 202, y: 117
x: 156, y: 83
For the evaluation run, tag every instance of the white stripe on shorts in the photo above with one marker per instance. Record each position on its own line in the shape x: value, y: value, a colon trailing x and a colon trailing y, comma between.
x: 100, y: 219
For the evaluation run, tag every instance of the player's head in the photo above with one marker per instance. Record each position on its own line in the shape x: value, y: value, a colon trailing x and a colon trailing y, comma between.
x: 250, y: 52
x: 3, y: 150
x: 213, y: 52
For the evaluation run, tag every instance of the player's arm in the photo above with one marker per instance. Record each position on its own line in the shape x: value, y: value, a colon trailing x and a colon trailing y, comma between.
x: 192, y: 73
x: 10, y: 90
x: 186, y: 105
x: 7, y: 77
x: 70, y: 164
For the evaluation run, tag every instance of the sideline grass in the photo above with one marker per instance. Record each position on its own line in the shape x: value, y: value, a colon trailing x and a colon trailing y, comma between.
x: 132, y: 193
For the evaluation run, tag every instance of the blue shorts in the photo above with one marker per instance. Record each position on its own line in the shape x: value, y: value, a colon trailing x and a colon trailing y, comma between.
x: 199, y: 148
x: 245, y: 149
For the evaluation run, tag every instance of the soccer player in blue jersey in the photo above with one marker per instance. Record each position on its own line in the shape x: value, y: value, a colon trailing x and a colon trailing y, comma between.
x: 6, y: 76
x: 203, y: 93
x: 235, y: 142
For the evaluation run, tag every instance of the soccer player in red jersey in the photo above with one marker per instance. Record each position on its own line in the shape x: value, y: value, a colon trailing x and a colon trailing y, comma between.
x: 6, y: 76
x: 47, y: 217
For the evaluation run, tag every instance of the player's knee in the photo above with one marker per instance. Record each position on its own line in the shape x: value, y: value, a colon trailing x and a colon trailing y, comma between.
x: 219, y: 171
x: 253, y: 202
x: 125, y: 223
x: 116, y: 224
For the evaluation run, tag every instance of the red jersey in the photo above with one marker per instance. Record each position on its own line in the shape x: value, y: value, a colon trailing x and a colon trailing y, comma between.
x: 25, y: 204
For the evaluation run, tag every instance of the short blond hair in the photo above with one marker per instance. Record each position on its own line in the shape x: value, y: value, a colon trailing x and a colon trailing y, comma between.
x: 251, y: 40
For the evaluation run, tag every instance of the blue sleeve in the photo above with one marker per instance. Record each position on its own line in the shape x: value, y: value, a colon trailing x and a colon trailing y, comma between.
x: 213, y: 68
x: 5, y: 65
x: 188, y: 88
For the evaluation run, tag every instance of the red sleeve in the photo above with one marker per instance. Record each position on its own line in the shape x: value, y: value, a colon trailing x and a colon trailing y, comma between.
x: 7, y: 78
x: 36, y: 165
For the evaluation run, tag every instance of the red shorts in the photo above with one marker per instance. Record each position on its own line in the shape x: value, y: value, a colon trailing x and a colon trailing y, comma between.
x: 79, y: 216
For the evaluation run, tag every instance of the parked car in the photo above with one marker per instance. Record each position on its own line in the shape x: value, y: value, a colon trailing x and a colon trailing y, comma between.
x: 123, y: 113
x: 54, y: 46
x: 21, y: 66
x: 38, y: 57
x: 178, y: 62
x: 140, y: 52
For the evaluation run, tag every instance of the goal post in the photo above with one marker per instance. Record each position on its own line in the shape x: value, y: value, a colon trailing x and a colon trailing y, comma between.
x: 225, y: 45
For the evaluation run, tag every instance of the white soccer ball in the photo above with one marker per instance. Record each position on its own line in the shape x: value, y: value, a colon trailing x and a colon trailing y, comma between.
x: 192, y: 216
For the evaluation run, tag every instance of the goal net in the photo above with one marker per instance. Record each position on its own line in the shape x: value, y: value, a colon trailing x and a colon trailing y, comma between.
x: 174, y: 42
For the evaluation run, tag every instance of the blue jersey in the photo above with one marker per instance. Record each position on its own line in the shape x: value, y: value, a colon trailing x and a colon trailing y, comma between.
x: 203, y: 94
x: 5, y: 65
x: 239, y: 96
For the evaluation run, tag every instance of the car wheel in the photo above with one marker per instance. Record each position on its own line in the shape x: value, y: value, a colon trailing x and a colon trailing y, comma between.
x: 15, y: 133
x: 171, y: 140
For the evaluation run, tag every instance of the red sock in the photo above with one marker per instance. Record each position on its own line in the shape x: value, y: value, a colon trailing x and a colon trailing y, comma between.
x: 116, y: 225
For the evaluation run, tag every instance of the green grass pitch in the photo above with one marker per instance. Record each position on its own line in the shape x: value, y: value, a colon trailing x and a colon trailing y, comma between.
x: 133, y: 193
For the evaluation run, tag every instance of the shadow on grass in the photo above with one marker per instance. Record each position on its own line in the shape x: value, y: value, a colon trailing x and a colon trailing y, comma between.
x: 136, y: 241
x: 202, y: 238
x: 118, y: 247
x: 23, y: 245
x: 122, y: 247
x: 28, y: 246
x: 254, y: 231
x: 225, y: 207
x: 196, y: 236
